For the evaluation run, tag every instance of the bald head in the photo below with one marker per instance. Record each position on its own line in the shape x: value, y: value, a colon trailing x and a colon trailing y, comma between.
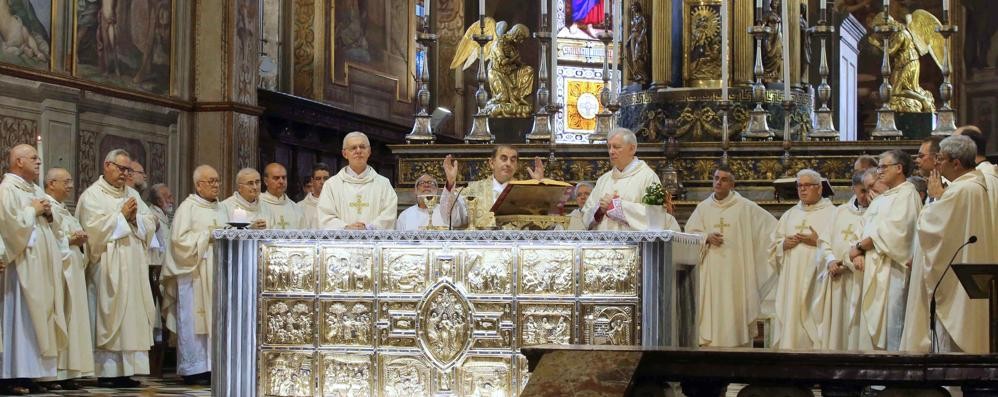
x: 59, y: 184
x: 24, y: 162
x: 206, y: 182
x: 275, y: 176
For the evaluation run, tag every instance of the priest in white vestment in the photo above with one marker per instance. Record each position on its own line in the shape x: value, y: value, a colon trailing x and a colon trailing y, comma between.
x: 989, y: 170
x: 792, y: 252
x: 357, y: 198
x: 310, y: 204
x: 245, y: 206
x: 160, y: 200
x: 482, y: 194
x: 417, y: 216
x: 962, y: 211
x: 838, y: 287
x: 281, y: 212
x: 77, y: 359
x: 734, y: 275
x: 119, y: 229
x: 616, y: 201
x: 31, y: 316
x: 188, y: 279
x: 580, y: 194
x: 883, y: 252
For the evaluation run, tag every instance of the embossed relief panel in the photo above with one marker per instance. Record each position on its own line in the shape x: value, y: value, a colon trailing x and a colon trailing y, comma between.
x: 444, y: 324
x: 405, y: 376
x: 547, y: 271
x: 486, y: 376
x: 287, y: 373
x: 610, y: 271
x: 609, y: 324
x: 446, y: 263
x: 546, y: 323
x: 396, y: 324
x: 404, y: 270
x: 289, y: 269
x: 347, y: 374
x: 494, y: 325
x: 346, y: 323
x: 488, y: 271
x: 288, y: 322
x: 347, y: 269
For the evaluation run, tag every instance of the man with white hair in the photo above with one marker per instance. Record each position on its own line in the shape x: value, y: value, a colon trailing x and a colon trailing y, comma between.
x: 962, y: 211
x: 310, y: 204
x: 246, y: 199
x: 357, y: 198
x: 188, y: 279
x: 580, y: 194
x: 883, y: 251
x: 792, y: 252
x: 119, y: 228
x: 77, y: 359
x: 616, y: 201
x: 733, y: 276
x: 279, y: 210
x: 31, y: 316
x: 419, y: 215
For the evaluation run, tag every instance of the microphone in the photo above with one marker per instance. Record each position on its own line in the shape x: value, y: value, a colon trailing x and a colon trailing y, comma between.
x: 450, y: 213
x: 932, y: 303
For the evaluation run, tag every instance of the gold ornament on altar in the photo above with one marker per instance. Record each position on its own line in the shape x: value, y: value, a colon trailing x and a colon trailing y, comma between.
x: 510, y: 80
x: 909, y: 42
x: 703, y: 46
x: 772, y: 46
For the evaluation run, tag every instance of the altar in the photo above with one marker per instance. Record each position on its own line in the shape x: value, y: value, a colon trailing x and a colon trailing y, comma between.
x: 300, y: 313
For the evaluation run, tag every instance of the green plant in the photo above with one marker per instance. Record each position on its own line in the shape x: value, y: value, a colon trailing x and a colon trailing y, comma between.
x: 654, y: 195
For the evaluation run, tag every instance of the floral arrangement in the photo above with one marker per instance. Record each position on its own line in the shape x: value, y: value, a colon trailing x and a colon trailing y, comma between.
x: 654, y: 195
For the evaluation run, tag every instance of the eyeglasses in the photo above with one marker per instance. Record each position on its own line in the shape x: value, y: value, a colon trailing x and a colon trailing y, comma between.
x: 251, y: 183
x: 426, y: 183
x: 807, y: 185
x: 883, y: 167
x: 122, y: 168
x: 212, y: 181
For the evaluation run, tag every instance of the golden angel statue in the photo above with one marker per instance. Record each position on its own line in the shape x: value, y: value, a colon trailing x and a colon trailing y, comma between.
x: 510, y: 80
x: 912, y: 40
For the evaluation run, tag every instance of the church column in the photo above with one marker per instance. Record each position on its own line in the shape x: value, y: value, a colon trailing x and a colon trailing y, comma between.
x: 743, y: 54
x: 795, y: 39
x: 225, y: 118
x: 661, y: 41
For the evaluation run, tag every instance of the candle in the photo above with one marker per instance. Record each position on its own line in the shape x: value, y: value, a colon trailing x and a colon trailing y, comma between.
x: 239, y: 216
x: 758, y: 3
x: 544, y: 7
x: 945, y: 5
x: 823, y: 5
x: 887, y: 3
x: 785, y: 26
x: 724, y: 50
x: 426, y: 9
x: 481, y: 7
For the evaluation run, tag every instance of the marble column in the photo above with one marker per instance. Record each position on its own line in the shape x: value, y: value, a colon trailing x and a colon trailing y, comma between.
x: 661, y: 41
x: 225, y: 117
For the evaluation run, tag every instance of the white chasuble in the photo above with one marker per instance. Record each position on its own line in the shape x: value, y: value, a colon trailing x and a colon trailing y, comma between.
x: 890, y: 223
x: 627, y: 212
x: 310, y: 211
x: 280, y: 212
x: 77, y: 359
x: 575, y: 220
x: 118, y: 250
x: 481, y: 194
x: 796, y: 270
x: 348, y: 198
x: 33, y: 321
x: 189, y: 280
x: 254, y: 211
x: 835, y: 306
x: 962, y: 211
x: 732, y: 279
x: 413, y: 218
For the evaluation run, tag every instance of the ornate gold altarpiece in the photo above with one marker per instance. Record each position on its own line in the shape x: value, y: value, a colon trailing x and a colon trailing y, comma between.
x: 299, y: 313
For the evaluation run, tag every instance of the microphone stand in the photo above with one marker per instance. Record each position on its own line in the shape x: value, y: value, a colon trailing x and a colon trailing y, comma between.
x: 932, y: 302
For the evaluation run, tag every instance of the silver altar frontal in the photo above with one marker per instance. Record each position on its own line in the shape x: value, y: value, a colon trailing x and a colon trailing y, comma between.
x: 338, y: 313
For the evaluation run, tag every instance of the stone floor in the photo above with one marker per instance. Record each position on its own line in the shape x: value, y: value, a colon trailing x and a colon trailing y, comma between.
x: 170, y: 386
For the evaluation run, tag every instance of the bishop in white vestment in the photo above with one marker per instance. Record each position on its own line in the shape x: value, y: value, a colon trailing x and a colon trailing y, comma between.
x: 885, y: 247
x: 188, y: 279
x: 792, y: 252
x: 77, y: 359
x: 281, y: 212
x: 357, y: 198
x: 31, y: 316
x: 733, y: 276
x: 120, y: 228
x: 616, y: 201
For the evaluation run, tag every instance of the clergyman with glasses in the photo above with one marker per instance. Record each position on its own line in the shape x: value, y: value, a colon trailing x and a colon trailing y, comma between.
x: 244, y: 204
x: 418, y: 216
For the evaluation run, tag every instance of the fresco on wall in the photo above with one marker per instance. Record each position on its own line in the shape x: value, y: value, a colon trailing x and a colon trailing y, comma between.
x: 125, y: 43
x: 373, y: 35
x: 25, y: 29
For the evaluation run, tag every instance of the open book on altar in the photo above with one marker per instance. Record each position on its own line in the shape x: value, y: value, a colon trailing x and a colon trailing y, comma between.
x: 530, y: 197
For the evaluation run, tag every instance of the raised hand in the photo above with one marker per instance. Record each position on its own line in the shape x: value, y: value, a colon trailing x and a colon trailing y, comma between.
x: 538, y: 171
x: 451, y: 171
x: 935, y: 183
